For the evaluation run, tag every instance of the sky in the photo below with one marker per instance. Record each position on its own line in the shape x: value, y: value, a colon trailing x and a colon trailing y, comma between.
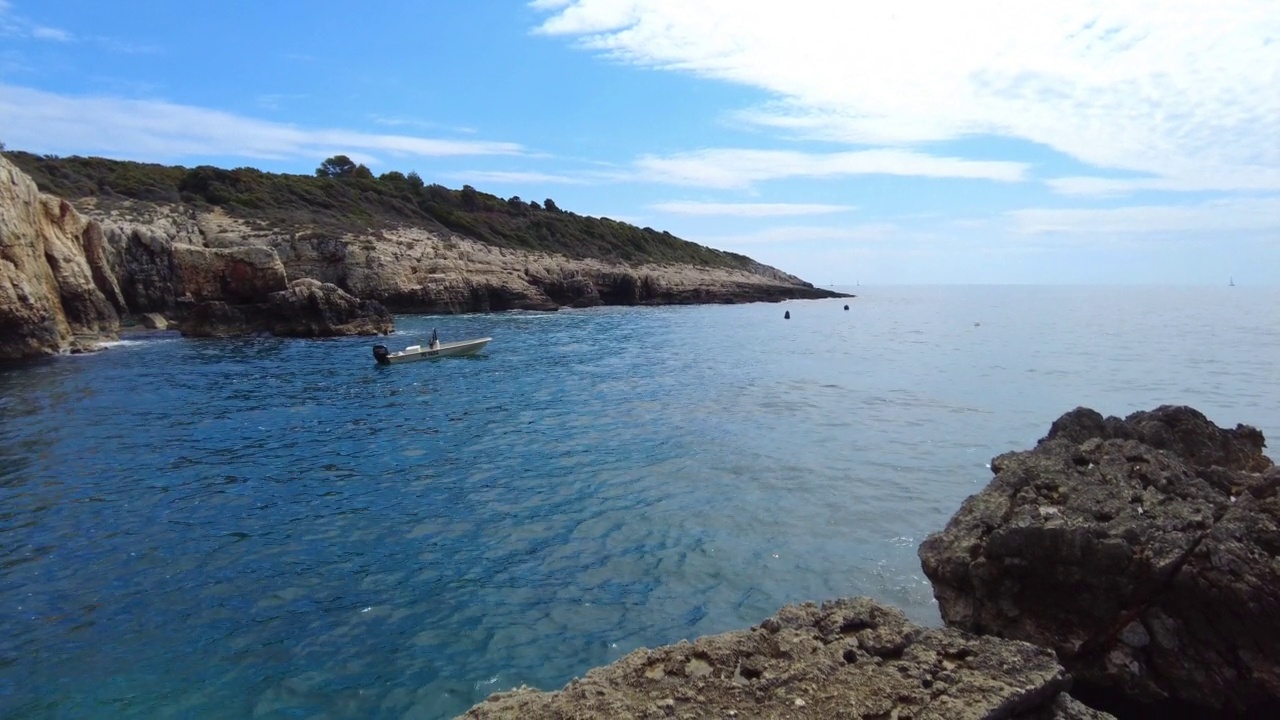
x: 954, y: 141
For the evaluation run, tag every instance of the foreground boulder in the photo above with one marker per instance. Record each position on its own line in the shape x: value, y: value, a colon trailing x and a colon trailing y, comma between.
x: 307, y: 308
x: 850, y: 658
x: 1144, y: 551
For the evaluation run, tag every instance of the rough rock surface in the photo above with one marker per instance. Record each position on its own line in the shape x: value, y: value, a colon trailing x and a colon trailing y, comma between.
x: 851, y: 658
x: 406, y: 269
x: 1144, y: 551
x: 154, y: 321
x: 56, y: 289
x: 307, y: 308
x: 70, y: 274
x: 235, y: 275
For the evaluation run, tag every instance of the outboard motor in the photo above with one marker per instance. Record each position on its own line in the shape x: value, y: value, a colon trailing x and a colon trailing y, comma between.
x: 381, y: 355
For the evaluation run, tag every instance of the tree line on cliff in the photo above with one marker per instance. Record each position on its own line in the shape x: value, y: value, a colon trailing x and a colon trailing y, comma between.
x: 343, y: 196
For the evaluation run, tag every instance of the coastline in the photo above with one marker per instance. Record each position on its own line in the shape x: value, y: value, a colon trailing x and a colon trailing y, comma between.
x: 1119, y: 568
x: 81, y: 267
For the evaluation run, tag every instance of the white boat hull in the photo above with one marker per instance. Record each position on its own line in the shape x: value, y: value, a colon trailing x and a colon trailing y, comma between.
x: 414, y: 353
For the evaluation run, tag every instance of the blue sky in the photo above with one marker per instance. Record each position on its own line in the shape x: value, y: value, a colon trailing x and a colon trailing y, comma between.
x: 912, y: 142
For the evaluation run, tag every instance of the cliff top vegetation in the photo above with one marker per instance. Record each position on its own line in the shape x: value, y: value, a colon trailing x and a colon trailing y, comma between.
x: 345, y: 197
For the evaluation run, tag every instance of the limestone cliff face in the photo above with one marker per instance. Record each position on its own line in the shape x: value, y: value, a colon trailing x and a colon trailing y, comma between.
x: 57, y: 287
x: 70, y: 272
x: 162, y: 253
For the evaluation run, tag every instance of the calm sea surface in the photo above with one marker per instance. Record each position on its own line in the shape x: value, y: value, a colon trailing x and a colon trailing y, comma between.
x: 281, y: 529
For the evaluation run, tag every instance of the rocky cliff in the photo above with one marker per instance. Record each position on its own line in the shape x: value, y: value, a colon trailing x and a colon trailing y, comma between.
x: 307, y: 308
x: 168, y: 254
x: 1145, y: 552
x: 72, y: 268
x: 57, y: 289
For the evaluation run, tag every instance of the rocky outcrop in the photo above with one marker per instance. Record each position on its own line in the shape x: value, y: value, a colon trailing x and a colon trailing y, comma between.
x: 71, y: 274
x: 164, y: 252
x: 235, y: 275
x: 56, y: 289
x: 218, y: 319
x: 851, y: 658
x: 307, y: 308
x: 419, y: 270
x: 1145, y: 552
x: 154, y: 321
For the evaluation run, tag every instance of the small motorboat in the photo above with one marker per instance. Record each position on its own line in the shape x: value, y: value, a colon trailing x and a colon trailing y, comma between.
x: 434, y: 349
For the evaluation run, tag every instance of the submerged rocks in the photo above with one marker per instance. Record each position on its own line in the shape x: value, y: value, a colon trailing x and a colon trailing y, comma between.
x: 1144, y: 551
x: 851, y: 658
x: 307, y: 308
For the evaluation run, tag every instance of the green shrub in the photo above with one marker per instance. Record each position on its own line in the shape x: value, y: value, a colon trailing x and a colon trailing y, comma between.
x: 343, y: 197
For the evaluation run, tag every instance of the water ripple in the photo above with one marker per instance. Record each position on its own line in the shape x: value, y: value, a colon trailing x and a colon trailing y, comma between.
x: 278, y: 528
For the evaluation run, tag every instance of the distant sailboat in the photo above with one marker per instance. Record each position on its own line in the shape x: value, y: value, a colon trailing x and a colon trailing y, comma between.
x: 1231, y: 282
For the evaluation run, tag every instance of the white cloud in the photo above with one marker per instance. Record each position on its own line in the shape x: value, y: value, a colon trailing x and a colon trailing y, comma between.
x: 393, y: 121
x: 1178, y: 90
x: 1218, y: 216
x: 739, y: 168
x: 1243, y: 178
x: 748, y: 209
x: 515, y: 176
x: 50, y: 123
x: 49, y: 33
x: 858, y: 234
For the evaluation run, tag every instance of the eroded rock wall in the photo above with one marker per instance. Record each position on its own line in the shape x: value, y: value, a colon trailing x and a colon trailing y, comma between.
x: 56, y: 285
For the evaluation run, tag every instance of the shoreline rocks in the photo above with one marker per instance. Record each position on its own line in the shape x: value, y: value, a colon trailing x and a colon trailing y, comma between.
x: 306, y: 308
x: 1145, y: 552
x: 74, y: 272
x: 1123, y: 568
x: 851, y: 658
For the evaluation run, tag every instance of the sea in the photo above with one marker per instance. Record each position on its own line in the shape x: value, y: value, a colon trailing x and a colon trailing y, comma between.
x: 281, y: 528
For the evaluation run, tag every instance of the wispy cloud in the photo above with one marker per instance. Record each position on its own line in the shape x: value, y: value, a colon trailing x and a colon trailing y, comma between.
x: 829, y: 235
x: 125, y: 47
x: 63, y: 124
x: 1217, y: 216
x: 391, y: 121
x: 1176, y: 91
x: 15, y: 24
x: 1243, y: 178
x: 40, y: 32
x: 513, y: 176
x: 740, y: 168
x: 273, y: 101
x: 748, y: 209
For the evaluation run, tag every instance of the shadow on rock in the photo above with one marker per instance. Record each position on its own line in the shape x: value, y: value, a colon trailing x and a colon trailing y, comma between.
x: 307, y: 308
x: 1145, y: 552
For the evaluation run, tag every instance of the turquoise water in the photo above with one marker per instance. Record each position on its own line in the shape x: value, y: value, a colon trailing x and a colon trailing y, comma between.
x: 279, y: 528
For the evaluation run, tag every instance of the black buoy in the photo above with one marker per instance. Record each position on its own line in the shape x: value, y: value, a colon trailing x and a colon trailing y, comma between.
x: 786, y: 315
x: 846, y: 307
